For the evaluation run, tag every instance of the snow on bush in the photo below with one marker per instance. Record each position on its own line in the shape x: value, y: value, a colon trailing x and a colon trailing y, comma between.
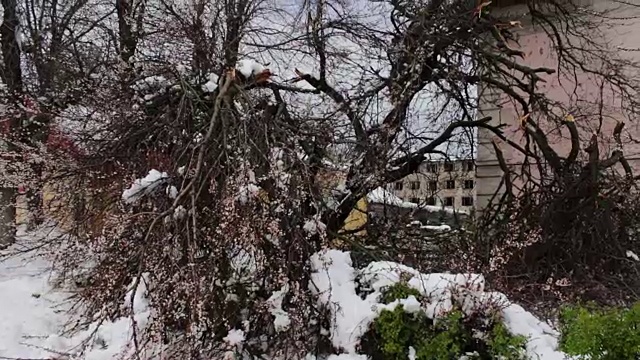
x: 150, y: 83
x: 172, y: 191
x: 314, y: 226
x: 235, y: 337
x: 212, y: 84
x: 334, y: 283
x: 144, y: 186
x: 281, y: 320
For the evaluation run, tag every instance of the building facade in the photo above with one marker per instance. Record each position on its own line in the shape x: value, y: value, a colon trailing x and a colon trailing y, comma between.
x: 582, y: 93
x: 447, y: 184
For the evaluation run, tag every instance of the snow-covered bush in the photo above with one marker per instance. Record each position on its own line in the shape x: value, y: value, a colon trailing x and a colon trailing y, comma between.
x: 397, y: 334
x: 390, y: 311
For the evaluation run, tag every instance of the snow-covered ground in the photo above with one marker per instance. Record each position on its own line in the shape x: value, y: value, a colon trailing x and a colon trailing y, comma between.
x: 33, y: 314
x: 29, y: 310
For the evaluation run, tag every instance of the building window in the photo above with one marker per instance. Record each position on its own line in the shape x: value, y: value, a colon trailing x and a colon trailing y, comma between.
x: 448, y: 201
x: 398, y: 185
x: 468, y: 184
x: 469, y: 165
x: 450, y: 184
x: 415, y: 200
x: 431, y: 201
x: 432, y: 168
x: 433, y: 185
x: 467, y: 201
x: 448, y: 166
x: 415, y: 185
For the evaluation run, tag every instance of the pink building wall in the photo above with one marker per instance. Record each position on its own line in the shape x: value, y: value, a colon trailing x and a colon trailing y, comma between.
x: 580, y: 97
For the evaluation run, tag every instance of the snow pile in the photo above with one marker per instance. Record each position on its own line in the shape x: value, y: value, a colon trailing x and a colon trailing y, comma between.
x: 333, y: 280
x: 436, y: 228
x: 249, y: 190
x: 246, y: 192
x: 278, y: 170
x: 144, y: 186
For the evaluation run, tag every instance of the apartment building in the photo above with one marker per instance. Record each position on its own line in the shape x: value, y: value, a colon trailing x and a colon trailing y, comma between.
x: 574, y: 93
x: 448, y: 184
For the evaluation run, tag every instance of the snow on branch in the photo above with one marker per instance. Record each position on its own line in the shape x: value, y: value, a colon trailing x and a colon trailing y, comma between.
x: 144, y: 186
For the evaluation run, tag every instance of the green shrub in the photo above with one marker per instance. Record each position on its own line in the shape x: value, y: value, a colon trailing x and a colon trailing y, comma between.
x: 595, y: 333
x: 396, y: 330
x: 446, y: 341
x: 450, y: 337
x: 399, y: 291
x: 504, y: 345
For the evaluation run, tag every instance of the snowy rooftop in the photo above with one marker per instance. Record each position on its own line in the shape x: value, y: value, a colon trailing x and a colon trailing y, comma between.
x: 382, y: 196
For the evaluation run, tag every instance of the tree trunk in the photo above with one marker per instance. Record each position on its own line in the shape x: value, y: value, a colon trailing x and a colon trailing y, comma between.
x: 10, y: 47
x: 7, y: 217
x: 12, y: 75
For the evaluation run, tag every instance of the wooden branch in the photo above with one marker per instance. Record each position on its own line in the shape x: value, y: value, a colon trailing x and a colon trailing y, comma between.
x: 625, y: 165
x: 575, y: 141
x: 317, y: 37
x: 501, y: 43
x: 513, y: 65
x: 505, y: 169
x: 282, y: 87
x: 594, y: 155
x: 617, y: 133
x: 322, y: 86
x: 615, y: 157
x: 541, y: 140
x: 507, y: 90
